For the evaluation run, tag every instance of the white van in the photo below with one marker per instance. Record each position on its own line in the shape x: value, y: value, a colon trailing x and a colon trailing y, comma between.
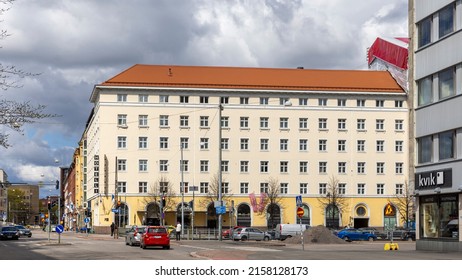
x: 284, y: 231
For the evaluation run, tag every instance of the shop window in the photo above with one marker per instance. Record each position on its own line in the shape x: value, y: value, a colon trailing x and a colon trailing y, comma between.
x: 439, y: 217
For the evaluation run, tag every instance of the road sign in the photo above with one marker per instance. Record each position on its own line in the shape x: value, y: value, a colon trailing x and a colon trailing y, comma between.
x: 220, y: 210
x: 300, y: 212
x: 298, y: 200
x: 59, y: 229
x: 86, y: 220
x: 115, y: 210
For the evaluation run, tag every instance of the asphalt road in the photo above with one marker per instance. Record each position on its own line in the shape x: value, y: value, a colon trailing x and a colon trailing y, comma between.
x: 77, y: 246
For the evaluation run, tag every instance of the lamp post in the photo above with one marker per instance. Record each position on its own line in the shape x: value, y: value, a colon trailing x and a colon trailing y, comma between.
x: 182, y: 190
x: 220, y: 199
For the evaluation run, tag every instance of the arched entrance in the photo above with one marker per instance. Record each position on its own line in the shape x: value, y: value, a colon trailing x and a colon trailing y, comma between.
x: 306, y: 218
x: 186, y: 213
x: 389, y: 217
x: 211, y: 216
x: 273, y: 216
x: 361, y: 216
x: 121, y: 218
x: 153, y: 214
x: 332, y: 215
x: 243, y: 215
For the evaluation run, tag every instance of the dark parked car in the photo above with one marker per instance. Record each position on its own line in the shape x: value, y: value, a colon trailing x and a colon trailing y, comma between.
x: 354, y: 234
x: 23, y: 231
x: 400, y: 234
x: 9, y: 232
x: 133, y: 236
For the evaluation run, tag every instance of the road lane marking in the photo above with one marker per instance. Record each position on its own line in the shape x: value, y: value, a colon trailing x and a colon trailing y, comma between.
x: 254, y: 249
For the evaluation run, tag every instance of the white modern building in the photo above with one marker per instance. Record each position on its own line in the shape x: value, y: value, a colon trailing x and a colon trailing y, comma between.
x: 300, y: 129
x: 436, y: 81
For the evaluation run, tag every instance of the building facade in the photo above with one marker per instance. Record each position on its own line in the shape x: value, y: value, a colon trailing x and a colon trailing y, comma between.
x: 336, y: 138
x: 435, y: 27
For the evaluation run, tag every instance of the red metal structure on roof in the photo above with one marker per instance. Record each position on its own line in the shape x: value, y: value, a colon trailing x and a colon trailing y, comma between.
x: 391, y: 50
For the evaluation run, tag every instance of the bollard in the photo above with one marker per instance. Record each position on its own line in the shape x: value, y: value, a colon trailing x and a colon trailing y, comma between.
x: 391, y: 246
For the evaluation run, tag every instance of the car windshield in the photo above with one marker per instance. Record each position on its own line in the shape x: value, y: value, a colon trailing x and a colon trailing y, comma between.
x: 20, y: 227
x: 141, y: 229
x: 9, y: 229
x: 239, y: 230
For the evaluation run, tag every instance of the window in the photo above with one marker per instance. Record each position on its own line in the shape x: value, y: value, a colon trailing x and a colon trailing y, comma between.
x: 204, y: 165
x: 163, y: 143
x: 303, y: 167
x: 121, y: 142
x: 121, y: 165
x: 341, y: 124
x: 224, y: 143
x: 184, y: 143
x: 303, y: 101
x: 425, y: 149
x: 283, y: 123
x: 244, y: 100
x: 341, y: 102
x: 399, y: 189
x: 203, y: 99
x: 224, y: 122
x: 264, y: 122
x: 204, y: 121
x: 380, y: 189
x: 264, y: 100
x: 361, y: 145
x: 446, y: 83
x: 184, y: 121
x: 379, y: 103
x: 303, y: 144
x: 342, y: 188
x: 284, y: 188
x: 163, y: 165
x: 398, y: 167
x: 284, y: 166
x: 322, y: 145
x: 244, y: 166
x: 184, y: 99
x: 184, y: 187
x: 380, y: 124
x: 425, y: 91
x: 399, y: 124
x: 284, y: 144
x: 204, y: 187
x: 142, y: 142
x: 361, y: 167
x: 322, y: 167
x: 361, y: 188
x: 341, y: 168
x: 446, y: 145
x: 446, y: 20
x: 264, y: 144
x: 303, y: 188
x: 322, y: 188
x: 245, y: 144
x: 244, y: 123
x: 284, y: 101
x: 264, y: 187
x: 322, y: 102
x: 303, y: 123
x: 424, y: 31
x: 341, y: 145
x: 380, y: 167
x: 163, y: 187
x: 204, y: 144
x: 264, y: 166
x: 163, y: 98
x: 225, y: 187
x: 322, y: 123
x: 143, y: 98
x: 122, y: 119
x: 244, y: 188
x: 143, y: 120
x: 121, y: 98
x: 121, y: 187
x: 142, y: 187
x: 380, y: 145
x: 143, y: 165
x: 163, y: 121
x: 225, y: 166
x: 360, y: 103
x: 398, y: 146
x: 361, y: 124
x: 184, y: 165
x: 399, y: 103
x: 224, y: 100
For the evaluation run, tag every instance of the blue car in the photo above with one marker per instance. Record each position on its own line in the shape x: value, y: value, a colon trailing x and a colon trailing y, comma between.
x: 353, y: 234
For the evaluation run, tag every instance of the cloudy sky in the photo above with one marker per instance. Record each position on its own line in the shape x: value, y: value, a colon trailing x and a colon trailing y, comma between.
x: 74, y: 45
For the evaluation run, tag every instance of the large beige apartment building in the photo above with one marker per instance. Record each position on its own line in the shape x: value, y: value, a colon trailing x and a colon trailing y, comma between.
x: 337, y: 138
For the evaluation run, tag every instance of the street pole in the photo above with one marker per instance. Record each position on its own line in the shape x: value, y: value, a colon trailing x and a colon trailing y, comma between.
x: 182, y: 190
x: 220, y: 199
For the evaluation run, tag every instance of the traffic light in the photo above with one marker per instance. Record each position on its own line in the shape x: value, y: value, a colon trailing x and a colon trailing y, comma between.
x: 164, y: 202
x: 57, y: 184
x: 191, y: 204
x: 49, y: 205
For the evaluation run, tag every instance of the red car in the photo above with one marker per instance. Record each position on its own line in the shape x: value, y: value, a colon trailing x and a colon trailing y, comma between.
x: 229, y: 232
x: 155, y: 236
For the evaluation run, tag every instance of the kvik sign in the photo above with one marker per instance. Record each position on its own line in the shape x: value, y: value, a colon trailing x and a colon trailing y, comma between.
x: 434, y: 179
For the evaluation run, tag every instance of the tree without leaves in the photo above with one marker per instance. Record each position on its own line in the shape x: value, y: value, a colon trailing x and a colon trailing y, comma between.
x: 212, y: 195
x: 272, y: 200
x: 405, y: 203
x: 14, y: 114
x: 162, y: 188
x: 332, y: 202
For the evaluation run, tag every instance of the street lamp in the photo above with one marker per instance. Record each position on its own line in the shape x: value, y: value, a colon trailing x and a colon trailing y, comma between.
x: 182, y: 189
x: 220, y: 199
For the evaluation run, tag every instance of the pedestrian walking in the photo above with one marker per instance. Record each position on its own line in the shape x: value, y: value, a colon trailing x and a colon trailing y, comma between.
x: 116, y: 231
x: 112, y: 228
x: 178, y: 231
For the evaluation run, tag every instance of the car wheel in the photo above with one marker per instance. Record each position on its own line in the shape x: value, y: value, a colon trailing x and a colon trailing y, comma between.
x: 167, y: 247
x: 370, y: 239
x: 244, y: 238
x: 266, y: 238
x: 346, y: 238
x: 130, y: 243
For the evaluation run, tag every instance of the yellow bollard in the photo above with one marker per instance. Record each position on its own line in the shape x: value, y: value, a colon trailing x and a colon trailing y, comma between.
x: 390, y: 246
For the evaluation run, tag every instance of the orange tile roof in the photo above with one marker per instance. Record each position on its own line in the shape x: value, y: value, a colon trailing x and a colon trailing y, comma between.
x: 141, y: 75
